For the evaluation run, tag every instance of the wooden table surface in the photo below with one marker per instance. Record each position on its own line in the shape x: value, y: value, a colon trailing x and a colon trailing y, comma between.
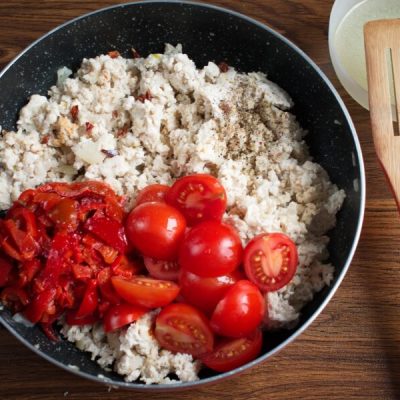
x: 352, y: 350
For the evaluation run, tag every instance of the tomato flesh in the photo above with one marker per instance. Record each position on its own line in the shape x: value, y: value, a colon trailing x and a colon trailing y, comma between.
x: 181, y: 328
x: 121, y: 315
x: 270, y: 261
x: 144, y: 291
x: 156, y: 230
x: 199, y: 197
x: 211, y: 249
x: 152, y: 193
x: 233, y: 353
x: 168, y: 270
x: 240, y: 312
x: 205, y: 293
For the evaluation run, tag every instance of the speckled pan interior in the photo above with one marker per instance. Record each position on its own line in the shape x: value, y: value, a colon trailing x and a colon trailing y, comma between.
x: 206, y: 33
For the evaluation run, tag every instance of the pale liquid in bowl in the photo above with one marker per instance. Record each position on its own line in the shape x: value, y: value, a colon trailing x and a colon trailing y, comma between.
x: 349, y: 36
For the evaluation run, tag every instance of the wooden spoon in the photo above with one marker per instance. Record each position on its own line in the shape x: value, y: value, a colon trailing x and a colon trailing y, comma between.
x: 382, y: 43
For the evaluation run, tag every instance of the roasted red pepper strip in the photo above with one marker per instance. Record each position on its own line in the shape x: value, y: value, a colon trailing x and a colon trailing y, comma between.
x: 5, y: 269
x: 71, y: 319
x: 14, y: 298
x: 109, y: 231
x: 17, y: 243
x: 60, y: 255
x: 41, y: 305
x: 90, y: 300
x: 65, y: 214
x: 27, y: 271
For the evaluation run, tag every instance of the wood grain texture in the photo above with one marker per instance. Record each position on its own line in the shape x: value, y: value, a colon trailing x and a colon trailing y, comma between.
x: 382, y: 40
x: 352, y: 350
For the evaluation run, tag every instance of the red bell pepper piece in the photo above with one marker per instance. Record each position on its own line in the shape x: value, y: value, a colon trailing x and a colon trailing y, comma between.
x: 6, y: 267
x: 90, y: 300
x: 41, y: 305
x: 65, y: 215
x: 109, y: 231
x: 14, y: 298
x: 17, y: 243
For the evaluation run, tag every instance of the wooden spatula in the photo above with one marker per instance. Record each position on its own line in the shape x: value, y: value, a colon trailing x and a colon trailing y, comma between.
x: 382, y: 43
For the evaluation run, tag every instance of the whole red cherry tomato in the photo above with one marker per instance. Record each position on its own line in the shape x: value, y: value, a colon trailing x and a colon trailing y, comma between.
x: 210, y: 249
x: 156, y: 230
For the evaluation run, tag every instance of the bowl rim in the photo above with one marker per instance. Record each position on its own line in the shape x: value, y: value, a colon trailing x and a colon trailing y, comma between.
x: 195, y: 384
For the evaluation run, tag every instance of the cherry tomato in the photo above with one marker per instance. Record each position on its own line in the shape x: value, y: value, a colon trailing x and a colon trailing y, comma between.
x: 168, y: 270
x: 181, y: 328
x: 156, y: 230
x: 146, y: 292
x: 240, y: 312
x: 233, y: 353
x: 199, y: 197
x: 270, y: 261
x: 205, y: 293
x: 211, y: 249
x: 152, y: 193
x: 90, y: 300
x: 121, y: 315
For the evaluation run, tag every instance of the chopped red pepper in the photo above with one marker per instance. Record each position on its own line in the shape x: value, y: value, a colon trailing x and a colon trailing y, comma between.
x: 146, y: 96
x: 57, y: 246
x: 90, y: 300
x: 114, y: 54
x: 5, y: 270
x: 45, y: 139
x: 89, y: 126
x: 223, y: 66
x: 109, y: 231
x: 74, y: 113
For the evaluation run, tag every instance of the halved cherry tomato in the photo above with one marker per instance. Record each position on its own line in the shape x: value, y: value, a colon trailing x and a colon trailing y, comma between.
x: 146, y: 292
x: 168, y: 270
x: 233, y: 353
x: 181, y: 328
x: 240, y: 311
x: 122, y: 314
x: 152, y: 193
x: 90, y: 300
x: 205, y: 293
x: 5, y: 269
x: 199, y: 197
x: 211, y: 249
x: 156, y: 230
x: 108, y: 230
x: 270, y: 261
